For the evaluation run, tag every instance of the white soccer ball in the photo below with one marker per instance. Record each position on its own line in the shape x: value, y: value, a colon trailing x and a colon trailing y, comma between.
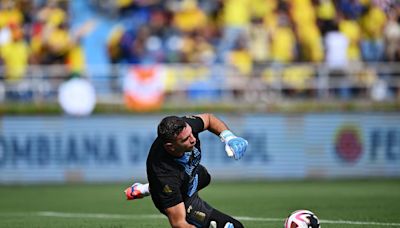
x: 302, y: 219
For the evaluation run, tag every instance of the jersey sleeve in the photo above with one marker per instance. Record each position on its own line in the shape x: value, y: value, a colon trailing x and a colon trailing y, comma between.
x: 195, y: 122
x: 167, y: 190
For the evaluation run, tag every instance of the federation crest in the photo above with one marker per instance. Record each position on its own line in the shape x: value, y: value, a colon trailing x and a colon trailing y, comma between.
x: 348, y: 143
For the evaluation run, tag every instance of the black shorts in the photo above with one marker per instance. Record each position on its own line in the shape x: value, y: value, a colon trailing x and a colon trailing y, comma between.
x: 200, y: 213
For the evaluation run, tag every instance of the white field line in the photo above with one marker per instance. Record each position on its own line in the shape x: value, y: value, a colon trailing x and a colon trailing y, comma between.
x: 159, y: 216
x: 322, y: 221
x: 97, y: 215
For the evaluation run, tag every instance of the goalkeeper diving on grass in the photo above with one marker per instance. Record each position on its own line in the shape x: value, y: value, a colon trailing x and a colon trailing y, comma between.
x: 175, y: 174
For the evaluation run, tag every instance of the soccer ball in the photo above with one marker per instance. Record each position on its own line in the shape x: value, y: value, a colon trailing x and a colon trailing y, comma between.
x: 302, y: 219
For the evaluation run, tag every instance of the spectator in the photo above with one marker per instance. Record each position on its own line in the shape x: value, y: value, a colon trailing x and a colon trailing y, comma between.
x: 351, y: 29
x: 188, y: 47
x: 189, y: 18
x: 326, y: 14
x: 51, y: 39
x: 259, y: 41
x: 133, y: 45
x: 113, y: 44
x: 351, y: 9
x: 14, y: 55
x: 203, y: 50
x: 52, y: 15
x: 372, y: 24
x: 392, y: 36
x: 307, y: 31
x: 10, y: 14
x: 56, y: 44
x: 283, y: 41
x: 336, y: 45
x: 75, y: 60
x: 235, y: 22
x: 240, y: 57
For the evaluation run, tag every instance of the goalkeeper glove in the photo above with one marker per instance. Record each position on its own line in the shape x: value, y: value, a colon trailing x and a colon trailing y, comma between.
x: 234, y: 146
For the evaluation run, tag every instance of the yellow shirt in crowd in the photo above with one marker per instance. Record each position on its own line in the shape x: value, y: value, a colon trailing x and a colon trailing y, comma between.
x: 242, y: 60
x: 373, y: 22
x: 15, y: 57
x: 190, y: 17
x: 59, y: 41
x: 236, y: 13
x: 12, y: 16
x: 351, y: 29
x: 326, y: 10
x: 303, y: 12
x: 282, y: 46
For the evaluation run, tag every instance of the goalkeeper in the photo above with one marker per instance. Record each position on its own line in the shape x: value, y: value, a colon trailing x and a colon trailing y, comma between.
x: 175, y: 174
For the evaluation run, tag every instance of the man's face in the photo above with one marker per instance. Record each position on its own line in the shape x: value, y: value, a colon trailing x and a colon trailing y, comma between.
x: 184, y: 142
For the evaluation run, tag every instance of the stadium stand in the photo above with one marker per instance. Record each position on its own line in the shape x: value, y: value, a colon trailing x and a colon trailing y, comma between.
x: 239, y: 49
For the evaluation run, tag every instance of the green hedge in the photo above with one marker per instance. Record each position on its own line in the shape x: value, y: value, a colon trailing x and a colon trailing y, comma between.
x: 22, y: 108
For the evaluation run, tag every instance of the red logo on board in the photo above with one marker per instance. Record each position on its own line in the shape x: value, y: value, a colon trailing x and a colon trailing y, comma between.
x: 348, y: 143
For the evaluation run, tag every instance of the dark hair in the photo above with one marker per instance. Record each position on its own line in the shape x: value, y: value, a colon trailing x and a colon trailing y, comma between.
x: 170, y: 127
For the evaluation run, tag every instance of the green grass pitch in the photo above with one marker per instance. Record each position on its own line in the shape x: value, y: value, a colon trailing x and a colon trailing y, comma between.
x: 339, y: 203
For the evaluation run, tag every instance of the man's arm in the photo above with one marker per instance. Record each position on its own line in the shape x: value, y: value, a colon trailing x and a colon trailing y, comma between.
x: 177, y: 216
x: 212, y: 123
x: 234, y: 146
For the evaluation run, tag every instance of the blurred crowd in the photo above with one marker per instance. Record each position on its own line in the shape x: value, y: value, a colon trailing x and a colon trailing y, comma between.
x: 35, y: 33
x: 240, y: 33
x: 243, y: 33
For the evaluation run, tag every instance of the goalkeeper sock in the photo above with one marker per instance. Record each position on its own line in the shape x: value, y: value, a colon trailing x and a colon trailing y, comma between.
x: 137, y: 191
x: 144, y: 189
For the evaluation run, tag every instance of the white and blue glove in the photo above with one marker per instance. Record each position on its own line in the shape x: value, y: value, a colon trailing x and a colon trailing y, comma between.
x: 234, y: 146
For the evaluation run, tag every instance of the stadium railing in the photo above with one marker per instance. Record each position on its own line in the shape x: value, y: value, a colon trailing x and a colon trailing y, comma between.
x: 197, y: 84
